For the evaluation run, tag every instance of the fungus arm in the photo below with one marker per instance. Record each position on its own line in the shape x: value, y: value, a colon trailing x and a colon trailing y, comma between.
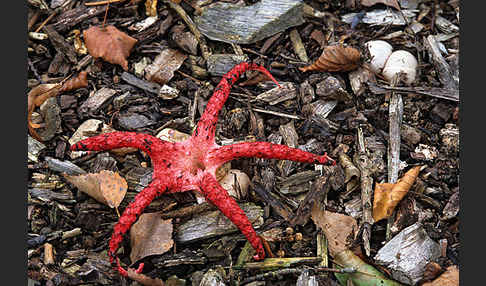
x: 265, y: 150
x: 207, y: 124
x: 218, y: 196
x: 129, y: 216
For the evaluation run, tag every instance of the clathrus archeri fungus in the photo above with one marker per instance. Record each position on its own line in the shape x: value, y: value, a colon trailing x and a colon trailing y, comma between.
x: 191, y: 164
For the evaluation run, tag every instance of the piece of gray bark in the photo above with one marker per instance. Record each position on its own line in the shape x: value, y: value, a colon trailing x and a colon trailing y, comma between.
x: 34, y: 148
x: 442, y: 67
x: 407, y: 254
x: 278, y: 94
x: 445, y: 25
x: 291, y: 139
x: 151, y: 87
x: 298, y: 45
x: 214, y: 223
x: 72, y: 17
x: 305, y: 279
x: 232, y: 23
x: 451, y: 209
x: 96, y: 101
x: 214, y: 277
x: 60, y: 44
x: 395, y: 117
x: 298, y: 183
x: 134, y: 121
x: 64, y: 167
x: 51, y: 113
x: 382, y: 17
x: 332, y: 88
x: 319, y: 109
x: 220, y: 64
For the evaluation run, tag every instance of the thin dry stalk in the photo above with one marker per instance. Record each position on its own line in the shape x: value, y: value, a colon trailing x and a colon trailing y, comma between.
x: 364, y: 165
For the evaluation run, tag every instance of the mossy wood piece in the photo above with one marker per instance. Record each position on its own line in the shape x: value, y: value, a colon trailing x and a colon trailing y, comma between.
x: 245, y: 25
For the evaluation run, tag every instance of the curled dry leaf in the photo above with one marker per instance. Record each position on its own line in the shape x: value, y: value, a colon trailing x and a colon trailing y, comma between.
x: 79, y: 81
x: 106, y: 187
x: 144, y: 279
x: 39, y: 94
x: 110, y: 44
x: 391, y: 3
x: 35, y: 98
x: 340, y: 230
x: 387, y: 196
x: 448, y: 278
x: 335, y: 58
x: 150, y: 235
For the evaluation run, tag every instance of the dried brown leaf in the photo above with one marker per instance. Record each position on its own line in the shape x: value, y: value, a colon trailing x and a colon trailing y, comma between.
x: 144, y: 279
x: 448, y: 278
x: 39, y: 94
x: 432, y: 270
x: 391, y: 3
x: 150, y: 235
x: 340, y: 230
x: 151, y: 8
x: 164, y: 65
x: 106, y: 187
x: 387, y: 196
x: 35, y: 98
x: 80, y: 81
x: 110, y: 44
x: 335, y: 58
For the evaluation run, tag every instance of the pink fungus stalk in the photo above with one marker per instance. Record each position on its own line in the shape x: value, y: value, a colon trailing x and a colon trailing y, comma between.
x: 191, y: 164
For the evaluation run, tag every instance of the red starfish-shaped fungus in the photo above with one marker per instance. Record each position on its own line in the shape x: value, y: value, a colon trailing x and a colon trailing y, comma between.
x: 191, y: 164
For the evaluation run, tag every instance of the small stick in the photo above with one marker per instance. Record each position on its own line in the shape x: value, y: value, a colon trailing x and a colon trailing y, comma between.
x: 395, y: 121
x: 33, y: 20
x: 277, y: 113
x: 363, y: 163
x: 54, y: 13
x: 45, y: 21
x: 106, y: 14
x: 102, y: 2
x: 254, y: 52
x: 191, y: 77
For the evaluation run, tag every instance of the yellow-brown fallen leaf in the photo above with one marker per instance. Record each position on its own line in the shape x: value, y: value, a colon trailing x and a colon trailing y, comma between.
x: 340, y: 229
x: 150, y: 235
x: 79, y: 45
x: 387, y: 195
x: 448, y: 278
x: 151, y: 8
x: 42, y: 92
x: 110, y: 44
x: 106, y: 187
x: 335, y: 58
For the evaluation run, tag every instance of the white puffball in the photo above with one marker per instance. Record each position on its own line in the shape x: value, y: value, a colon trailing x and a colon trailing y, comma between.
x: 379, y: 52
x: 401, y: 61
